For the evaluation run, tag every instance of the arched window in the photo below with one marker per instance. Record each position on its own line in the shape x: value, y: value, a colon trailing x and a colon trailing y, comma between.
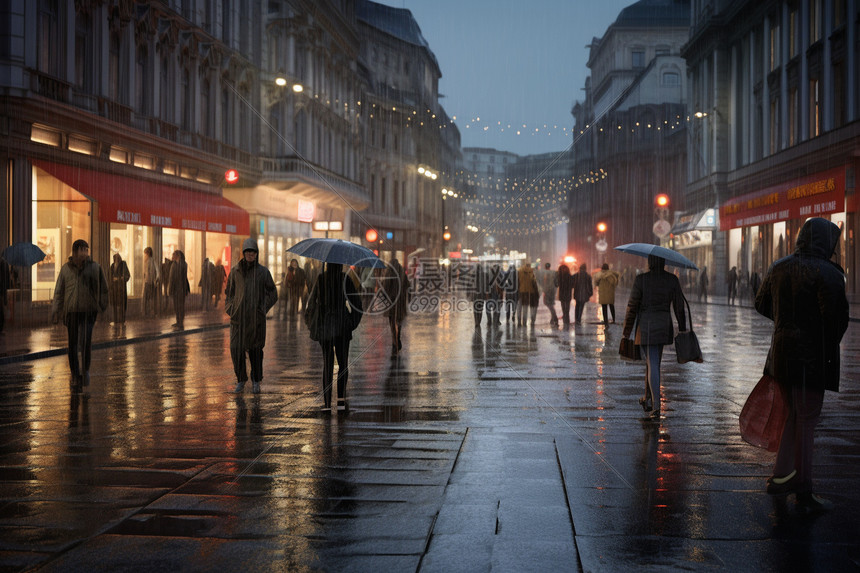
x: 671, y: 79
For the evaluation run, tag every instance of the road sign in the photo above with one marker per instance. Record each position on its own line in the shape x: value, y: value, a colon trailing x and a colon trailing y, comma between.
x: 601, y: 246
x: 662, y: 228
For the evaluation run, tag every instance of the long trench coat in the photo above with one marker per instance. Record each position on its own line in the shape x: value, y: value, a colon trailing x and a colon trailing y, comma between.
x: 249, y: 295
x: 804, y: 295
x: 652, y: 295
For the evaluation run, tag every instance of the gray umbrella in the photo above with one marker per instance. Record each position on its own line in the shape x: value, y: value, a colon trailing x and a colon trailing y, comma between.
x: 23, y: 254
x: 673, y: 258
x: 337, y: 251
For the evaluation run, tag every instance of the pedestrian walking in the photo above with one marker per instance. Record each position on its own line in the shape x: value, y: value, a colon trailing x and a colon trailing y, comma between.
x: 548, y: 286
x: 510, y: 286
x: 205, y: 283
x: 606, y: 280
x: 495, y: 296
x: 648, y: 310
x: 703, y: 284
x: 296, y: 282
x: 529, y: 296
x: 804, y: 295
x: 479, y: 295
x: 755, y: 283
x: 334, y: 310
x: 151, y: 280
x: 732, y: 281
x: 4, y: 286
x: 249, y: 296
x: 178, y: 287
x: 396, y: 287
x: 165, y: 283
x: 219, y: 277
x: 565, y: 291
x: 81, y: 292
x: 119, y: 277
x: 582, y: 291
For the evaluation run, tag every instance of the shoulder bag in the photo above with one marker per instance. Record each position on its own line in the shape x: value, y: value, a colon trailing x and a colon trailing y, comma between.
x: 686, y: 343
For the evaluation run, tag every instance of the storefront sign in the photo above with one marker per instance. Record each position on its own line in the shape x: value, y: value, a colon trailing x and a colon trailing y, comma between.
x: 306, y: 211
x: 123, y: 199
x: 811, y: 196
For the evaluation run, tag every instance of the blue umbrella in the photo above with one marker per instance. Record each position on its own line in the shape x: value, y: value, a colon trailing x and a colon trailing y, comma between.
x: 337, y: 251
x: 673, y: 258
x: 23, y: 254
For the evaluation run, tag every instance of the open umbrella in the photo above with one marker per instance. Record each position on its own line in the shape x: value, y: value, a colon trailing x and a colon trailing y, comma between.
x: 337, y: 251
x: 23, y: 254
x: 673, y: 258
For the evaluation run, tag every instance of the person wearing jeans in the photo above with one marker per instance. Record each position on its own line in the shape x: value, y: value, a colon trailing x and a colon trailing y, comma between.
x: 652, y: 296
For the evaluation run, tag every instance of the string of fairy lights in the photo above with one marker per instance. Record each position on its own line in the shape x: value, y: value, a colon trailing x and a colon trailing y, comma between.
x: 510, y: 205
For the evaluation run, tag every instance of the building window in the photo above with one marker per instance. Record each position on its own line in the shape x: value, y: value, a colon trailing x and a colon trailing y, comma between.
x: 838, y: 94
x: 185, y: 120
x: 83, y: 52
x: 661, y: 52
x: 141, y: 87
x: 397, y: 197
x: 205, y: 110
x: 383, y: 199
x: 774, y: 126
x: 226, y: 19
x: 814, y: 21
x: 671, y: 79
x: 114, y: 67
x: 838, y: 13
x: 638, y: 59
x: 226, y: 127
x: 773, y: 47
x: 793, y: 40
x: 792, y: 117
x: 165, y: 108
x: 814, y: 109
x: 49, y: 40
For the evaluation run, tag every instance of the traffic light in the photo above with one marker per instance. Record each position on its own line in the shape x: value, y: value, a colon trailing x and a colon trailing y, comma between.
x: 371, y: 235
x: 446, y: 235
x: 601, y: 227
x: 661, y: 200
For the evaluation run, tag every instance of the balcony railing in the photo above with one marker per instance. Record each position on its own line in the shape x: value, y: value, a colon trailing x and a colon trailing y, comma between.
x: 282, y: 168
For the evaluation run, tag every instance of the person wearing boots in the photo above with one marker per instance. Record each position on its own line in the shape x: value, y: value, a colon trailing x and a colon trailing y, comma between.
x: 249, y: 296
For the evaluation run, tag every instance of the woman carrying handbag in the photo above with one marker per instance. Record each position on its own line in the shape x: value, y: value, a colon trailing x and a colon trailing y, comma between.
x: 652, y: 295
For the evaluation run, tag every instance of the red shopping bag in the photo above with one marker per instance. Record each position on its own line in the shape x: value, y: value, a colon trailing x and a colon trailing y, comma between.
x: 763, y: 415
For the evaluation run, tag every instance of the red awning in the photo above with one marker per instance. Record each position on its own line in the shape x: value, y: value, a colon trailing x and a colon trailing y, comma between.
x: 127, y: 200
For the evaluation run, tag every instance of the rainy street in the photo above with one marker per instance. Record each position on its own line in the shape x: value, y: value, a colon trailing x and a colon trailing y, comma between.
x: 514, y: 449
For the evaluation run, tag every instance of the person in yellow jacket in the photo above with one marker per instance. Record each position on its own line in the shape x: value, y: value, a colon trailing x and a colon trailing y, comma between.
x: 529, y: 294
x: 606, y: 280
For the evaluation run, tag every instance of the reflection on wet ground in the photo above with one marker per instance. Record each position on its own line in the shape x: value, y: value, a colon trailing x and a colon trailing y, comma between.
x: 507, y: 448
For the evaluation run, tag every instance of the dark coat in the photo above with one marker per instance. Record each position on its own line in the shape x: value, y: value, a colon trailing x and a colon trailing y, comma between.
x: 249, y: 295
x: 582, y: 288
x: 396, y: 287
x: 327, y: 307
x: 652, y: 295
x: 804, y: 295
x: 565, y: 286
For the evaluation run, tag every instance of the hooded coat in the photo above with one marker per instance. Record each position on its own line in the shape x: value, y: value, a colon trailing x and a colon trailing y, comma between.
x: 606, y: 281
x: 249, y: 295
x: 804, y: 295
x: 582, y: 289
x: 652, y: 295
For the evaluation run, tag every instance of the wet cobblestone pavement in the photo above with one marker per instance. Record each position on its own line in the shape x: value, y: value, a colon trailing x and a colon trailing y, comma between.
x: 517, y: 449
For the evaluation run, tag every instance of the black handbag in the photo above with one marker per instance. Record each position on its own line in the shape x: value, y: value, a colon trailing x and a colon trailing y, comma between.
x: 686, y: 343
x: 629, y: 350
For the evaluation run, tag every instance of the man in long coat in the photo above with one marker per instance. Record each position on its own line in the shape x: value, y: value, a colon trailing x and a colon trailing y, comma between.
x: 249, y: 296
x: 582, y: 291
x: 804, y: 295
x: 178, y: 287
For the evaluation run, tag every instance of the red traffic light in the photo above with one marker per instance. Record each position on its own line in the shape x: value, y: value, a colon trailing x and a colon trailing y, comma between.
x: 662, y: 200
x: 446, y: 235
x: 371, y: 235
x: 231, y: 176
x: 601, y: 227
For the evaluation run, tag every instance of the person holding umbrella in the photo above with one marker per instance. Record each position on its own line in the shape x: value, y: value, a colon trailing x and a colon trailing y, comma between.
x: 648, y: 309
x: 249, y: 296
x: 80, y: 294
x: 331, y: 322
